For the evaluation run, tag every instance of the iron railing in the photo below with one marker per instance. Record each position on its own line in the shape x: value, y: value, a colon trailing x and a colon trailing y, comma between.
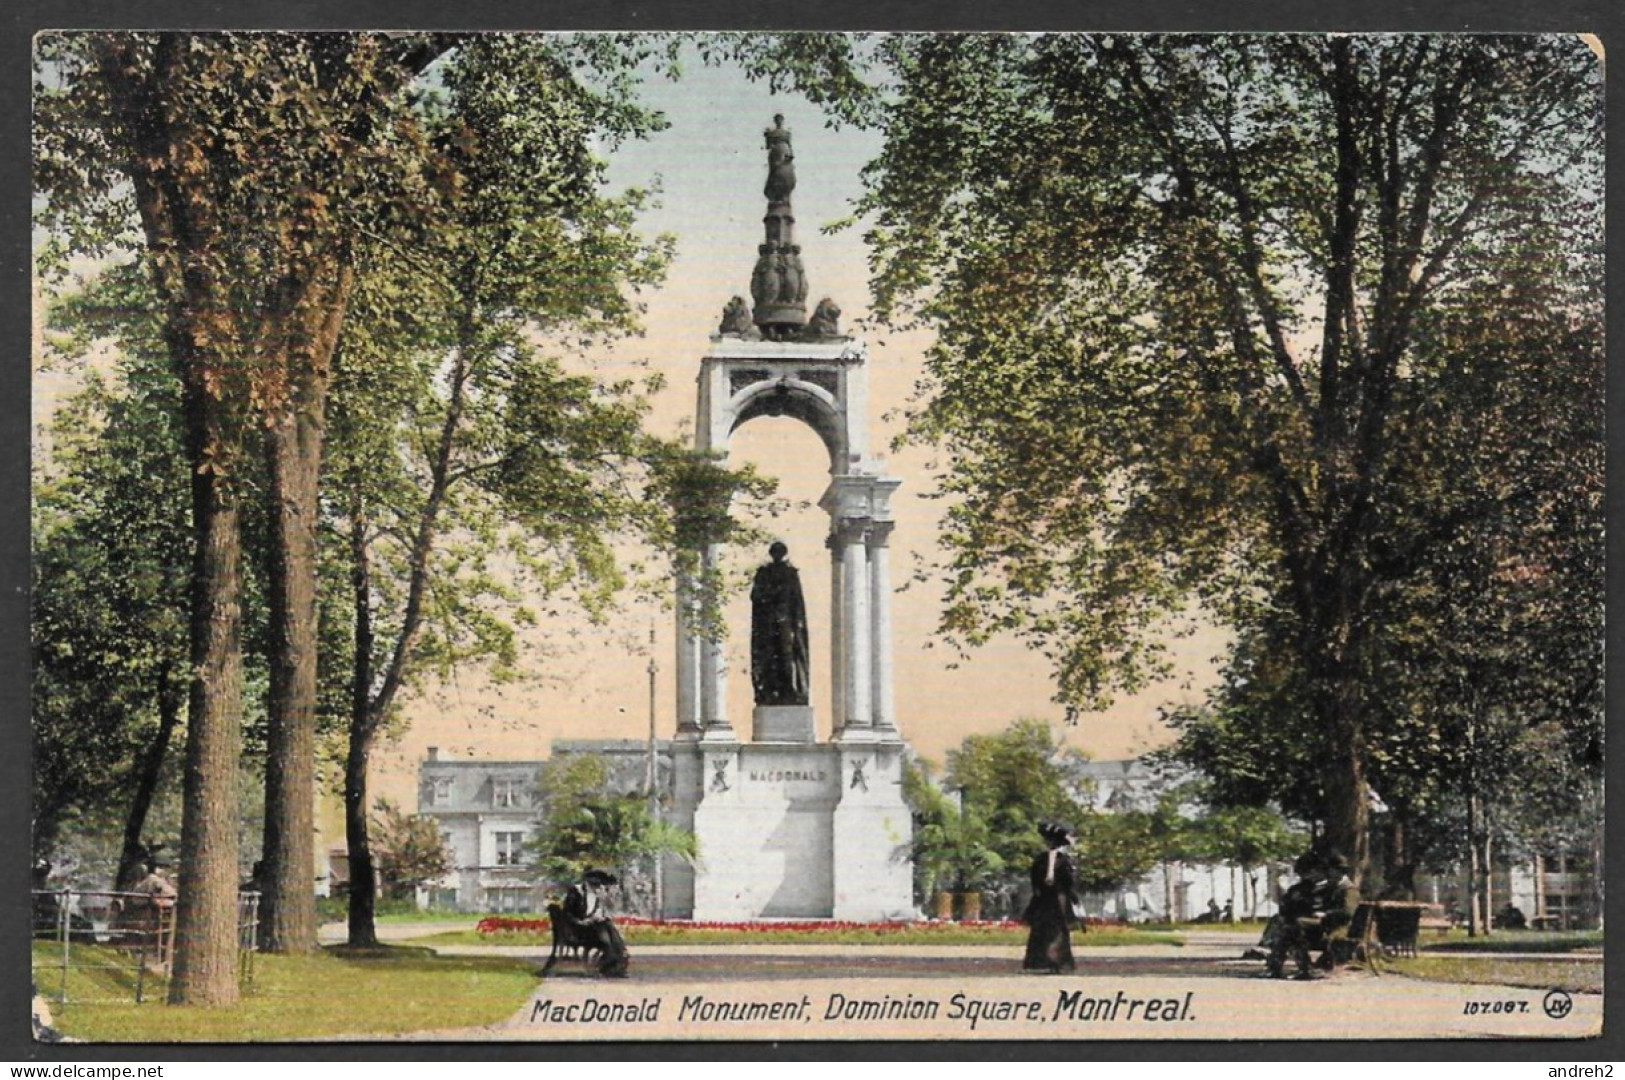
x: 123, y: 941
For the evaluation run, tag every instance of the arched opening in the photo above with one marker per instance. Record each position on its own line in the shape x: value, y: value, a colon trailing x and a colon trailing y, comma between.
x: 794, y: 454
x: 812, y: 405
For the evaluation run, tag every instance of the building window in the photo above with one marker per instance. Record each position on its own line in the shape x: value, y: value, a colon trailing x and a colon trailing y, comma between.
x: 438, y: 792
x: 504, y: 901
x: 507, y: 791
x: 510, y: 848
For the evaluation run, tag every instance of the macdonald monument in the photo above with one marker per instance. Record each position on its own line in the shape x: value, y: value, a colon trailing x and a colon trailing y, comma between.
x: 790, y: 827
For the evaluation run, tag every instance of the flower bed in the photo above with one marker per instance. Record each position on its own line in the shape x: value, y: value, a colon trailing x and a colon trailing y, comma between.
x: 536, y: 932
x: 496, y: 924
x: 500, y: 925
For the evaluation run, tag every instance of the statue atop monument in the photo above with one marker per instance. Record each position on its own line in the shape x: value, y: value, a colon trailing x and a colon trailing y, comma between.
x: 778, y: 286
x: 778, y: 633
x: 781, y: 162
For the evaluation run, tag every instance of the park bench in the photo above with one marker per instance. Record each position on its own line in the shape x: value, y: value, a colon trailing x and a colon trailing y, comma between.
x: 1383, y: 928
x: 568, y: 939
x: 1435, y: 920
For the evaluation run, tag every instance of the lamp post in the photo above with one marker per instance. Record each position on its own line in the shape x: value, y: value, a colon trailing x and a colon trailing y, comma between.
x: 652, y: 778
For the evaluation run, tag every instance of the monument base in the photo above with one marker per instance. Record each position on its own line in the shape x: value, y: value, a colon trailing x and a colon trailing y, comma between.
x: 782, y: 724
x: 805, y: 831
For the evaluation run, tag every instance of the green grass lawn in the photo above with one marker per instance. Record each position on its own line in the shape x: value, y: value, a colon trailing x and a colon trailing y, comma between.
x: 1243, y: 927
x: 395, y: 913
x: 1575, y: 976
x: 1516, y: 941
x: 387, y: 991
x: 764, y: 934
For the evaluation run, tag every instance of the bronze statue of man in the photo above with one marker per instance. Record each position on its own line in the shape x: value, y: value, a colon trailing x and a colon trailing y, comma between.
x: 778, y: 633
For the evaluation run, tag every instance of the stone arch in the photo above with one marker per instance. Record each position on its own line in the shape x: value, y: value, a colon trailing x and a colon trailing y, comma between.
x: 804, y: 401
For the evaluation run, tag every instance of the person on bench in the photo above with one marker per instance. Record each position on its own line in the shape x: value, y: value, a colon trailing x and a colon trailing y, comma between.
x: 1297, y: 921
x: 1337, y: 900
x: 590, y: 926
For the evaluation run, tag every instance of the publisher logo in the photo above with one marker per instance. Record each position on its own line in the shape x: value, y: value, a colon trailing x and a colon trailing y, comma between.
x: 1557, y: 1004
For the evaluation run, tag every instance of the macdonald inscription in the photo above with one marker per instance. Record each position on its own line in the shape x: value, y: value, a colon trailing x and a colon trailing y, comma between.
x: 780, y: 776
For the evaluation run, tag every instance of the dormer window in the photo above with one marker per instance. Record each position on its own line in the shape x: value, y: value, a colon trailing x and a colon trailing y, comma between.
x: 507, y: 792
x: 438, y: 792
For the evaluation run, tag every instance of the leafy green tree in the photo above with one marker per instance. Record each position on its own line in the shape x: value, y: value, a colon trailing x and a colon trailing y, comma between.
x: 1185, y: 292
x: 1012, y: 782
x: 1246, y: 838
x: 586, y: 825
x: 108, y: 620
x: 410, y: 850
x: 950, y: 847
x: 1489, y: 661
x: 458, y: 439
x: 1114, y: 849
x: 238, y: 167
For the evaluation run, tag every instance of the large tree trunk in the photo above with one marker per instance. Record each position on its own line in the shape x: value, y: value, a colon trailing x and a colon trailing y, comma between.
x: 205, y: 971
x: 1344, y: 777
x: 181, y: 227
x: 1475, y: 913
x: 363, y: 878
x: 363, y: 881
x: 133, y: 853
x: 293, y: 447
x: 288, y: 908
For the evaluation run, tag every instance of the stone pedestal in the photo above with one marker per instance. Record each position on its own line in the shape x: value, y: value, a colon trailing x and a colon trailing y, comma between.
x: 813, y: 831
x: 872, y: 835
x: 783, y: 724
x: 763, y: 826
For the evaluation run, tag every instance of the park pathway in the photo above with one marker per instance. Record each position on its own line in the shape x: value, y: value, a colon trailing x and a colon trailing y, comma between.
x: 1202, y: 989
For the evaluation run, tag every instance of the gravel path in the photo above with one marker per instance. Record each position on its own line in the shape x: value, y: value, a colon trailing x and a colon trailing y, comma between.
x: 1200, y: 990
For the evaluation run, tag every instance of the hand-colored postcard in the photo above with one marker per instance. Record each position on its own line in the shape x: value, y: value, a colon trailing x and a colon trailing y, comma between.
x: 790, y: 536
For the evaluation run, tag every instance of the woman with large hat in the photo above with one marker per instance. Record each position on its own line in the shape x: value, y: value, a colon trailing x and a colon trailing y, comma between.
x: 584, y: 907
x: 1049, y: 913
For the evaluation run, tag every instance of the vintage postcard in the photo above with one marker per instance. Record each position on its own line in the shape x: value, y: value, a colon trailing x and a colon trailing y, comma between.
x: 558, y: 537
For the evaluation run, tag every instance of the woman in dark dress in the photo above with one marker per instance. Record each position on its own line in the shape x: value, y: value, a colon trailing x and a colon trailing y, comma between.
x: 1049, y: 913
x: 584, y: 907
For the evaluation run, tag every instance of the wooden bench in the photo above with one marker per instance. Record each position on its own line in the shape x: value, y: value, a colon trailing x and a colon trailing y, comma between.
x: 1435, y: 920
x: 568, y: 941
x: 1383, y: 928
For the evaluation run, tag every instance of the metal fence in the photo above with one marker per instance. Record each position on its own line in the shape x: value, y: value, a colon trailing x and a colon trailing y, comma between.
x: 121, y: 944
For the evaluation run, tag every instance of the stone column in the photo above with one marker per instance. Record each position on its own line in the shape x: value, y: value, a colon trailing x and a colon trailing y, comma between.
x: 855, y: 693
x: 688, y: 662
x: 882, y: 701
x: 837, y: 643
x: 714, y: 671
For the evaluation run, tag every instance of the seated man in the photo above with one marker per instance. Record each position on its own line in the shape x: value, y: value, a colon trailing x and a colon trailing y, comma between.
x: 590, y: 926
x: 1296, y: 926
x: 1337, y: 899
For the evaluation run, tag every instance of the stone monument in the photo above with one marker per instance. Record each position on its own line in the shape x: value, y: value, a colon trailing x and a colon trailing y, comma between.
x: 789, y: 826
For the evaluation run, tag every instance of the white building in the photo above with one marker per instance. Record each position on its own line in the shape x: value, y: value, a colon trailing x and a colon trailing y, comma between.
x: 487, y: 812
